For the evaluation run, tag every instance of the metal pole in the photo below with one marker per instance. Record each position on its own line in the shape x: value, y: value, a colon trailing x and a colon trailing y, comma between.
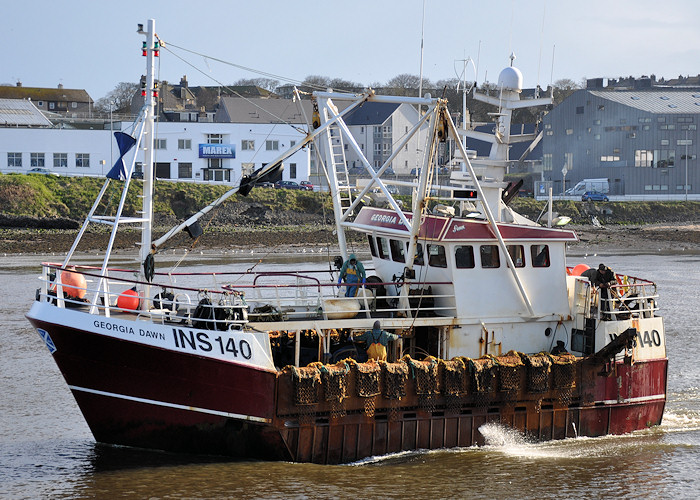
x: 686, y: 166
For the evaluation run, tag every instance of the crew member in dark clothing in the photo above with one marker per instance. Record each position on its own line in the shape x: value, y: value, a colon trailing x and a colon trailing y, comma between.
x: 602, y: 278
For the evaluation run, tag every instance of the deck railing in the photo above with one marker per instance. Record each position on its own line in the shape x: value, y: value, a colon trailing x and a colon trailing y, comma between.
x: 232, y: 299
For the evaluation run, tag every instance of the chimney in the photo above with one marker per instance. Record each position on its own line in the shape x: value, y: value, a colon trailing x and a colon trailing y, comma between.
x: 183, y: 81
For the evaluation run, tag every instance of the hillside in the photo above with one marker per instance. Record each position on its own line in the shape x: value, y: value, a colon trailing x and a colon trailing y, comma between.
x: 42, y: 213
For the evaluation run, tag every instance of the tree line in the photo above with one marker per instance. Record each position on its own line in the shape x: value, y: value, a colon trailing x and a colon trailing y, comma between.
x: 406, y: 84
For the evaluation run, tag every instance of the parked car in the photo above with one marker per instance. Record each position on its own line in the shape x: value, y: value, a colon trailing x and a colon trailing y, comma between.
x: 42, y: 171
x: 264, y: 184
x: 307, y: 185
x: 288, y: 185
x: 137, y: 174
x: 594, y: 196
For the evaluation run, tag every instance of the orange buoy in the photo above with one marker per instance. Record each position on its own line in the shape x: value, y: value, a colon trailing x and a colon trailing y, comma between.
x: 579, y: 269
x: 74, y: 284
x: 128, y: 300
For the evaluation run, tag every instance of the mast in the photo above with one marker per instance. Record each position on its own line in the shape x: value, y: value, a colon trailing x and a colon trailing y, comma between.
x: 151, y: 51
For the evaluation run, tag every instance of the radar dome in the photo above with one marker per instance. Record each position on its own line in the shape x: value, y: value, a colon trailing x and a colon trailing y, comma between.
x: 511, y: 78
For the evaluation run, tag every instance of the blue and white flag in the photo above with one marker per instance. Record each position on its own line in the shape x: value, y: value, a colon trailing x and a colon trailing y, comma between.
x: 125, y: 143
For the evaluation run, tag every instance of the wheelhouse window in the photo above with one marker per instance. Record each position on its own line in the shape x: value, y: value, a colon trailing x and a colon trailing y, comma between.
x: 517, y: 254
x: 437, y: 256
x: 372, y: 248
x: 464, y: 257
x: 419, y: 259
x: 490, y: 257
x: 540, y: 255
x: 397, y: 253
x: 383, y: 248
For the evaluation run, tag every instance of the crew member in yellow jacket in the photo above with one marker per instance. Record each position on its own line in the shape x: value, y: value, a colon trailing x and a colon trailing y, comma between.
x: 377, y: 341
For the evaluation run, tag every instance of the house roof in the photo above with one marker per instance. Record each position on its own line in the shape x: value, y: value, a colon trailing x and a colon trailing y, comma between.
x: 44, y: 94
x: 655, y: 100
x: 238, y: 110
x: 21, y: 112
x: 371, y: 113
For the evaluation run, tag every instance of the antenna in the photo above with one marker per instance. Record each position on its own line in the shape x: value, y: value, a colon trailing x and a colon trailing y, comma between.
x: 422, y: 31
x: 551, y: 74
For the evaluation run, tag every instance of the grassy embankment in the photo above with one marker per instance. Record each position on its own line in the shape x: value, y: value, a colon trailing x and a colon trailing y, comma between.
x: 71, y: 198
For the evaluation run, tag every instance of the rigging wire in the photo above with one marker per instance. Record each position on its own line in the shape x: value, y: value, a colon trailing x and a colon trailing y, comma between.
x: 298, y: 129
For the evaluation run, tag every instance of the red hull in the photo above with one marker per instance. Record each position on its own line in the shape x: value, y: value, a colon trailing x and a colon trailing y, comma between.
x: 136, y: 395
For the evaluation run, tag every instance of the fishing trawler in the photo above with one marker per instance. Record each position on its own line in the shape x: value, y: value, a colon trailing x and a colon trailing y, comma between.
x: 491, y: 324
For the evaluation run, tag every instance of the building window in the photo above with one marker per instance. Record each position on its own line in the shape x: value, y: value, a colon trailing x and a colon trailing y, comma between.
x: 60, y: 160
x: 386, y: 130
x: 160, y: 144
x: 643, y: 158
x: 539, y: 255
x: 569, y: 131
x: 292, y: 170
x: 377, y: 131
x: 386, y: 147
x: 684, y: 142
x: 247, y: 145
x: 569, y: 161
x: 14, y: 159
x: 184, y: 144
x: 607, y: 158
x: 490, y: 258
x: 596, y: 137
x: 547, y: 162
x: 184, y: 170
x: 37, y: 160
x: 665, y: 142
x: 247, y: 168
x: 464, y: 257
x: 579, y: 110
x: 601, y: 107
x: 664, y: 158
x: 215, y: 138
x: 596, y: 122
x: 517, y: 255
x: 52, y: 105
x: 271, y: 145
x: 377, y: 148
x: 436, y: 256
x: 82, y: 160
x: 292, y: 144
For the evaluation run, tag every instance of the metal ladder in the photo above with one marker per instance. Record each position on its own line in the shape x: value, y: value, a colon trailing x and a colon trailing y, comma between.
x: 339, y: 166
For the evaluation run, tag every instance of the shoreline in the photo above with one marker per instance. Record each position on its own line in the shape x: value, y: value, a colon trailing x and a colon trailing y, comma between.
x: 649, y: 238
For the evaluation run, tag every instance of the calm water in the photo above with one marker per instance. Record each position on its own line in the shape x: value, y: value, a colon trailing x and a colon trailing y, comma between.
x: 47, y: 451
